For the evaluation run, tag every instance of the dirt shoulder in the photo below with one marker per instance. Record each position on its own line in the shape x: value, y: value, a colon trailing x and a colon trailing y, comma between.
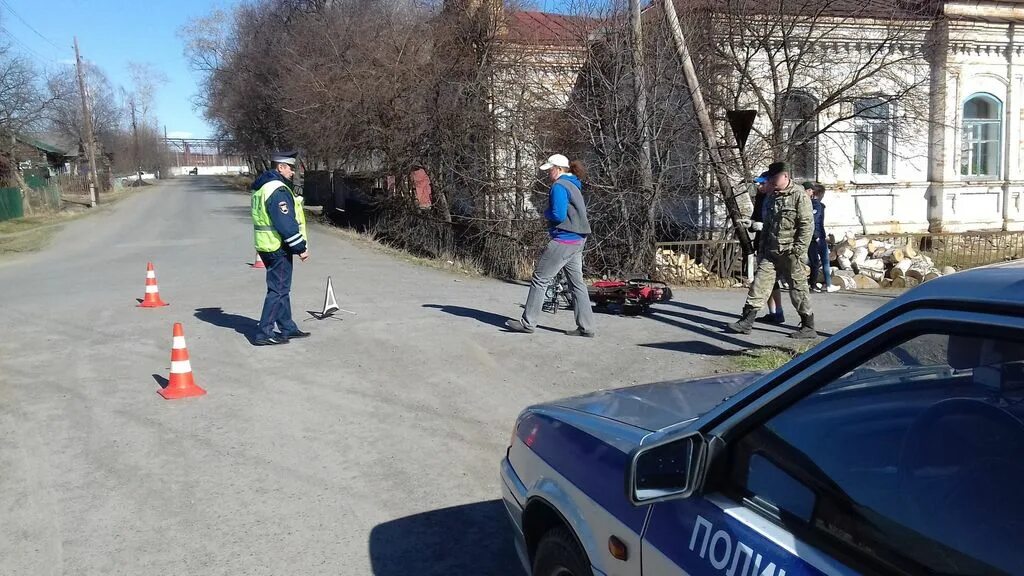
x: 33, y: 233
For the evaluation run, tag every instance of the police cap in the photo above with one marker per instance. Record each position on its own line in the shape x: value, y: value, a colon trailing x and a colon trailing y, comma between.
x: 283, y: 158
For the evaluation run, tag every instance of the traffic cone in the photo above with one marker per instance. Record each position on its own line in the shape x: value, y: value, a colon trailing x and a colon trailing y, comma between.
x: 152, y: 299
x: 258, y: 263
x: 181, y: 384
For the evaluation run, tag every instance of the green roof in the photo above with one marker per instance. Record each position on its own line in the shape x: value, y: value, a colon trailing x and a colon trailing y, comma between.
x: 45, y: 147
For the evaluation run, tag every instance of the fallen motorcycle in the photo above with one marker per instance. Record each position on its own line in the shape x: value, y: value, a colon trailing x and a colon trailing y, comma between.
x: 633, y: 296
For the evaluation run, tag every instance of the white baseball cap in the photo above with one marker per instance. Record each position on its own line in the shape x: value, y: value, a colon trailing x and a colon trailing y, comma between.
x: 555, y: 160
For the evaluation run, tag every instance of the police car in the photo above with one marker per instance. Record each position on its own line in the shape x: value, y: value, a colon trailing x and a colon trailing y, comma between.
x: 893, y: 447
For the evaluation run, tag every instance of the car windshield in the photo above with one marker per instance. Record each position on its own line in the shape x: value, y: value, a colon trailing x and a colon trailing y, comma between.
x: 935, y: 357
x: 913, y: 453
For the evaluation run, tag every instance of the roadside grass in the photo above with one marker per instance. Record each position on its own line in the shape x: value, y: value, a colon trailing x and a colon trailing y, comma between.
x: 454, y: 265
x: 768, y: 358
x: 33, y: 233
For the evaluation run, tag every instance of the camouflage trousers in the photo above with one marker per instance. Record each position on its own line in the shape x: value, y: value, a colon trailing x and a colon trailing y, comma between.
x: 788, y: 267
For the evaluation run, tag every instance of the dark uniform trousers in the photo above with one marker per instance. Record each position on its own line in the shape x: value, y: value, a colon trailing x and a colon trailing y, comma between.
x: 277, y: 307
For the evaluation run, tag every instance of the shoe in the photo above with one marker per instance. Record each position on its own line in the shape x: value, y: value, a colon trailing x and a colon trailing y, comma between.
x: 518, y: 326
x: 296, y: 334
x: 806, y: 331
x: 833, y: 289
x: 579, y: 332
x: 269, y: 341
x: 772, y: 319
x: 746, y: 322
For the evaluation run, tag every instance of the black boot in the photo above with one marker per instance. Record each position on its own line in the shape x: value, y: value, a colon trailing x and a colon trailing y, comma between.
x: 746, y: 322
x: 806, y: 330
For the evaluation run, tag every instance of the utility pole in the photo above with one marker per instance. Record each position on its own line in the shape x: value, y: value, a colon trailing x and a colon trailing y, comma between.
x: 135, y: 142
x: 90, y: 138
x: 707, y: 127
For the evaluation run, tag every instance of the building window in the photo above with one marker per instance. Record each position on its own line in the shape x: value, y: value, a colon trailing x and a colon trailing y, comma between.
x: 872, y: 136
x: 982, y: 138
x: 799, y: 131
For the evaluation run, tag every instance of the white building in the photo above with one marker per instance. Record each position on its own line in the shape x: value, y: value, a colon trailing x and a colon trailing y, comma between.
x: 944, y: 157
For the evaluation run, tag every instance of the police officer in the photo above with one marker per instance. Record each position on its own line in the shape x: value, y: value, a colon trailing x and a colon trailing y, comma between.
x: 279, y: 226
x: 785, y: 238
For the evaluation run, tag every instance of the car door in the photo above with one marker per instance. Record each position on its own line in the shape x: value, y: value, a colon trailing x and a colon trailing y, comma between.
x: 900, y: 453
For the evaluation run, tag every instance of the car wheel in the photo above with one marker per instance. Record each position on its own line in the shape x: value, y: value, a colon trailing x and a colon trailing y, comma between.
x: 558, y: 554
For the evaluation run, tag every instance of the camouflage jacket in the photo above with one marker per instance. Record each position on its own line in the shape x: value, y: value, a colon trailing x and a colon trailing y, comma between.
x: 789, y: 222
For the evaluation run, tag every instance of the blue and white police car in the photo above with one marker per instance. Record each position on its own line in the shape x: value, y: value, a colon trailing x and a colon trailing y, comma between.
x: 893, y: 447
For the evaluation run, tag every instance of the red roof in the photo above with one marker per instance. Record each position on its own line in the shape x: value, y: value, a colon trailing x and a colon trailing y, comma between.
x: 544, y: 28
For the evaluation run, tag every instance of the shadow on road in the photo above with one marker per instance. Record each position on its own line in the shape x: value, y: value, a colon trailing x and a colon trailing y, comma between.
x: 218, y: 317
x: 697, y: 347
x: 235, y: 212
x: 489, y: 318
x: 162, y: 381
x: 703, y: 310
x: 462, y: 540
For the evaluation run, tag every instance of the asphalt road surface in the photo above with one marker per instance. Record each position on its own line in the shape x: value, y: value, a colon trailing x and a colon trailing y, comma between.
x: 370, y: 448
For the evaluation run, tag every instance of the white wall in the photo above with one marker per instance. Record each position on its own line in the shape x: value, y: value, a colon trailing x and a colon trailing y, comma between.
x: 209, y: 170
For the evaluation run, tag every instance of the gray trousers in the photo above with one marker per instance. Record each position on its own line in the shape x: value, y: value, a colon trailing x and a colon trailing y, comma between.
x: 555, y: 257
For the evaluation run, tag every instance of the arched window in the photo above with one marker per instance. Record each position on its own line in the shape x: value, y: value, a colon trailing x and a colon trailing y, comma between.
x: 983, y: 135
x: 799, y: 130
x: 872, y: 136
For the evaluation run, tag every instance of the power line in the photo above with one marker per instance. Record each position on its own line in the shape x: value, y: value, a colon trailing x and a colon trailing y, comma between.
x: 23, y: 44
x: 27, y: 25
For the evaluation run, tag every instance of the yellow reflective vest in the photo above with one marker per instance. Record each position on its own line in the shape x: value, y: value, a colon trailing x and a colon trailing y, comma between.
x: 265, y: 236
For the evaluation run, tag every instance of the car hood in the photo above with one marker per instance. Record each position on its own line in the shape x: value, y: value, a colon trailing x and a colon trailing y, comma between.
x: 662, y: 404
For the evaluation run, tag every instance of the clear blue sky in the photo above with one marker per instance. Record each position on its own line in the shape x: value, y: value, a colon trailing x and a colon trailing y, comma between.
x: 112, y: 33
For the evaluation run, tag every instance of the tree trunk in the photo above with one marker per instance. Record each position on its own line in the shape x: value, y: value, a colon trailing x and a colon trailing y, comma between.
x: 707, y: 128
x: 636, y: 40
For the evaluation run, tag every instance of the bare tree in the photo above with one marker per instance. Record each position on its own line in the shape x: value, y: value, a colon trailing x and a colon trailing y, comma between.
x: 23, y: 102
x: 138, y: 109
x: 64, y: 116
x: 810, y: 67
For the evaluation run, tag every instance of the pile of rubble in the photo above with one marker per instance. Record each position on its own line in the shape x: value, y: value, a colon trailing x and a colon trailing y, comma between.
x: 862, y: 263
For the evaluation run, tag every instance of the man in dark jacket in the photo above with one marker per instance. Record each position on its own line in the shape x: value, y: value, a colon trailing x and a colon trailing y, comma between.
x: 279, y: 233
x: 817, y: 254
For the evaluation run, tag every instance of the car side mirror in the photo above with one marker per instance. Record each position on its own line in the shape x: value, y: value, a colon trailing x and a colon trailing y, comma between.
x: 671, y: 469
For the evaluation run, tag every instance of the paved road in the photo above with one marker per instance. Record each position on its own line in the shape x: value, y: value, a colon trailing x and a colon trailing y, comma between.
x: 371, y: 448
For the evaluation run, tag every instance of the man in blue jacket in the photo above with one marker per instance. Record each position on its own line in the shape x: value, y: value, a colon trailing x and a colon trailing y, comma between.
x: 568, y: 228
x: 279, y: 233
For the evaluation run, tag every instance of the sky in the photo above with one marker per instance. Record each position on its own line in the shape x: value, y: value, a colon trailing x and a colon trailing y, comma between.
x: 112, y: 33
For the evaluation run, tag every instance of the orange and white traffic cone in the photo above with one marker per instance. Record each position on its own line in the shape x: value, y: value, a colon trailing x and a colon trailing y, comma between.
x: 180, y: 384
x: 258, y: 263
x: 152, y: 299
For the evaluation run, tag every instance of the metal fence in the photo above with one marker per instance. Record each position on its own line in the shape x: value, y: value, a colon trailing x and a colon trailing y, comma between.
x: 702, y: 262
x: 10, y: 204
x: 720, y: 262
x: 961, y: 250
